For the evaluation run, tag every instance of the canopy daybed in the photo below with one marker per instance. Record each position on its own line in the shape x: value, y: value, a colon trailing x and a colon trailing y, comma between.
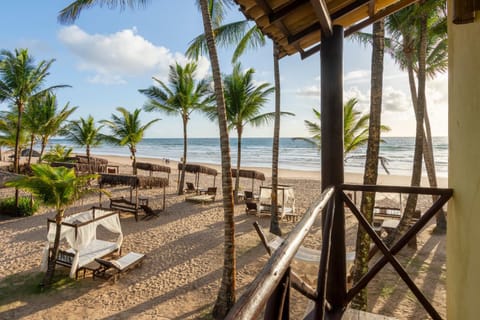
x: 132, y: 205
x: 285, y: 199
x: 79, y: 231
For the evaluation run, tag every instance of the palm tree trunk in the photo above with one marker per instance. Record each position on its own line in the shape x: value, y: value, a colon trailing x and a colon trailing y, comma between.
x: 226, y: 294
x: 42, y: 149
x: 16, y: 162
x: 87, y: 151
x: 32, y: 138
x: 47, y: 280
x: 134, y: 160
x: 181, y: 183
x: 371, y: 163
x: 428, y: 156
x: 274, y: 220
x: 411, y: 204
x: 239, y: 158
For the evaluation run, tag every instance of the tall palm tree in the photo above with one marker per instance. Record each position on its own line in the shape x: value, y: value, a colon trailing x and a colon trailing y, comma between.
x: 405, y: 34
x: 226, y: 295
x: 8, y: 130
x: 181, y: 97
x: 355, y: 127
x: 244, y: 101
x: 20, y: 81
x: 51, y: 119
x: 84, y: 133
x: 127, y: 130
x: 408, y: 28
x: 372, y: 157
x: 57, y: 188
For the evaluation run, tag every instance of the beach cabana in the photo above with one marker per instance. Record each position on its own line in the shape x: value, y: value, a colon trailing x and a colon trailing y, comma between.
x: 197, y: 169
x: 134, y: 182
x: 79, y: 231
x: 250, y: 174
x: 285, y: 196
x: 80, y: 164
x: 152, y: 167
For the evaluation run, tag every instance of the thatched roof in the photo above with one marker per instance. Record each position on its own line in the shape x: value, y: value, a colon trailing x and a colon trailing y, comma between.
x: 132, y: 181
x: 196, y: 168
x: 82, y: 167
x: 252, y: 174
x: 152, y: 167
x: 84, y: 159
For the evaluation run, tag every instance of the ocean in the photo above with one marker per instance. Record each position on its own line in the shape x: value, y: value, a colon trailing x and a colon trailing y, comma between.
x: 294, y: 154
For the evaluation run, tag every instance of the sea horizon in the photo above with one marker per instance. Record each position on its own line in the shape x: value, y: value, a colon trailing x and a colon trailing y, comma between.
x: 257, y: 152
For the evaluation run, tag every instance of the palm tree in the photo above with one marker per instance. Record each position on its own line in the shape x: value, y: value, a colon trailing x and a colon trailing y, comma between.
x: 405, y: 35
x: 127, y: 130
x: 20, y: 81
x: 355, y: 127
x: 183, y: 96
x: 84, y: 133
x: 51, y: 120
x: 244, y: 102
x: 372, y: 157
x: 57, y: 188
x: 226, y: 295
x: 58, y: 153
x: 8, y: 130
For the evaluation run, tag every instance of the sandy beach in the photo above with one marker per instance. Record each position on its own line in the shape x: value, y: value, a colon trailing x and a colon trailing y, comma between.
x: 184, y: 247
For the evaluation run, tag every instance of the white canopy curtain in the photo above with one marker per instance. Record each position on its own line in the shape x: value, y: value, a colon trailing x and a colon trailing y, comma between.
x: 80, y: 232
x: 285, y: 198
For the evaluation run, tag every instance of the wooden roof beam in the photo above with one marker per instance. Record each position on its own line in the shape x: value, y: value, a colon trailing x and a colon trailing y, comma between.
x: 321, y: 11
x: 379, y: 15
x: 282, y: 12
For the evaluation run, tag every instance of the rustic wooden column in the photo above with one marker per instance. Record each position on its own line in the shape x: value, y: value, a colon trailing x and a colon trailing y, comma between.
x: 331, y: 54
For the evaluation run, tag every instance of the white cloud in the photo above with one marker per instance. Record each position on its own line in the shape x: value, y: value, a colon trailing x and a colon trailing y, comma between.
x: 113, y: 57
x: 395, y: 100
x: 309, y: 91
x: 357, y: 76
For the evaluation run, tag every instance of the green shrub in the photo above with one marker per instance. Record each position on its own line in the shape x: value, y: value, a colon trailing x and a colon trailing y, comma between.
x: 7, y: 206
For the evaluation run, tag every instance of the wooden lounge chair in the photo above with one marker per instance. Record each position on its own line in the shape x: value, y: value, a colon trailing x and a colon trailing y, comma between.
x: 149, y: 212
x: 251, y: 207
x: 190, y: 188
x: 111, y: 269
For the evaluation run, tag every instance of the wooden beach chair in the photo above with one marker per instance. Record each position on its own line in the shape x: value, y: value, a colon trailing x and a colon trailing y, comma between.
x: 190, y: 188
x: 251, y: 207
x: 112, y: 269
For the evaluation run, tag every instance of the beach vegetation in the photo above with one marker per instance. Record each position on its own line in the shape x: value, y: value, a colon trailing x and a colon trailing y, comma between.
x: 20, y: 81
x: 26, y: 207
x: 58, y: 153
x: 85, y: 133
x: 127, y: 130
x: 8, y: 130
x: 58, y: 188
x: 181, y: 96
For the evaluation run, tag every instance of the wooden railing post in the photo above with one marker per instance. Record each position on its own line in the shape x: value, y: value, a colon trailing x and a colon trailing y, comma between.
x: 278, y: 306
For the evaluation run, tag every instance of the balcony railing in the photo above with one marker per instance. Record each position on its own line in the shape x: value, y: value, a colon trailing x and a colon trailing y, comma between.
x: 271, y: 288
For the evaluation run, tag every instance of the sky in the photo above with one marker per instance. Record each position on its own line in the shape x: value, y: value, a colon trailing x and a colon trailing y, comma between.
x: 107, y: 55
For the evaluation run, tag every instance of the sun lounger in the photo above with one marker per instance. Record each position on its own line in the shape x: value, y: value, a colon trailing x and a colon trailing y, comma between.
x: 113, y: 268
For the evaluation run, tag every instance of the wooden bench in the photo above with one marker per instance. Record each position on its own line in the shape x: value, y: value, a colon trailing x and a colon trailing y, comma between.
x: 111, y: 269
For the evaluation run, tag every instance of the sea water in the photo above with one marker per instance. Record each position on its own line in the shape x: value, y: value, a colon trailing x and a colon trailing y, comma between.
x: 294, y: 154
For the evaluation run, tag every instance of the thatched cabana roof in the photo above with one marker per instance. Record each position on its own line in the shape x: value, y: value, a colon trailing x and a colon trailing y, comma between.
x: 132, y: 181
x: 84, y: 159
x: 82, y: 167
x: 252, y: 174
x: 196, y: 168
x: 152, y: 167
